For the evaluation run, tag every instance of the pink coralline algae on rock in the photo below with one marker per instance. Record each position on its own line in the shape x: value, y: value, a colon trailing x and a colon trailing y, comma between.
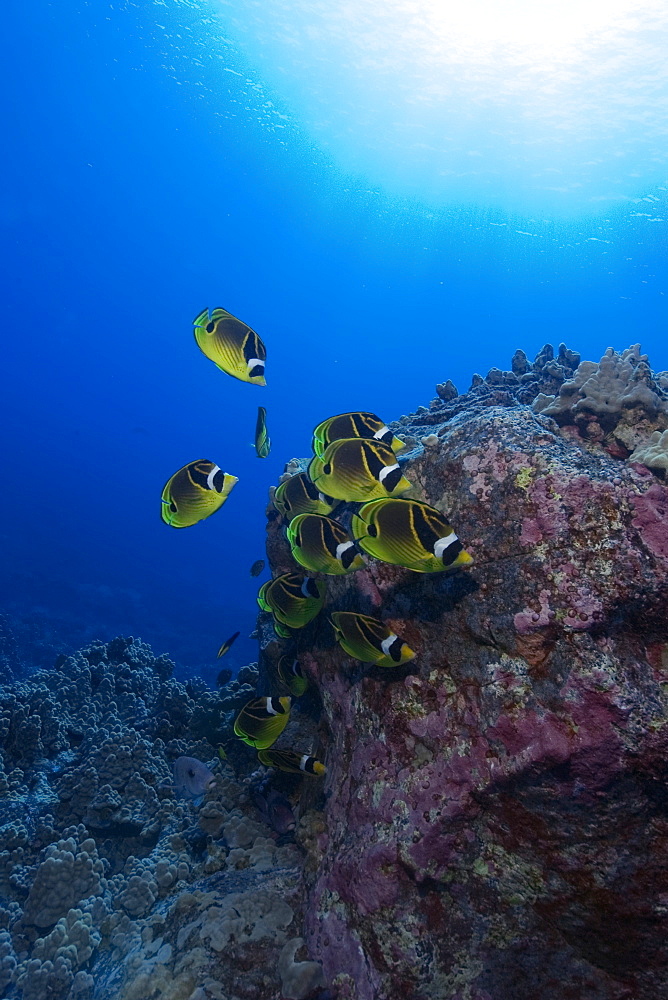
x: 497, y: 810
x: 651, y: 520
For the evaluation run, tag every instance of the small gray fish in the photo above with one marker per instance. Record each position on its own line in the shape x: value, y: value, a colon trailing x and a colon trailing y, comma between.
x: 192, y: 778
x: 257, y: 567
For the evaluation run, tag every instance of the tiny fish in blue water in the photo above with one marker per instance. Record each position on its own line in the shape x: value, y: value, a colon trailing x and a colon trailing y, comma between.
x: 262, y: 442
x: 224, y: 677
x: 226, y: 645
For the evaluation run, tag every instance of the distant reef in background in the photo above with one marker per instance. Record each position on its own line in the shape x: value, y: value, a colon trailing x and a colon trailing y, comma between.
x: 494, y: 820
x: 39, y: 619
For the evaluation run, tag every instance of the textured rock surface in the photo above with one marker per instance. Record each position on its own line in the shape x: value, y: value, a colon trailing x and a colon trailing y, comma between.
x: 496, y: 825
x: 112, y: 887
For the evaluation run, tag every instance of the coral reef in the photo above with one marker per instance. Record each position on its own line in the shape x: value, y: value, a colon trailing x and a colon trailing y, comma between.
x: 496, y: 819
x: 494, y: 824
x: 115, y: 881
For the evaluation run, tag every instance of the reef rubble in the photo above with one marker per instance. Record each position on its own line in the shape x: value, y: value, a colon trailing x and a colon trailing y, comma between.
x: 494, y: 821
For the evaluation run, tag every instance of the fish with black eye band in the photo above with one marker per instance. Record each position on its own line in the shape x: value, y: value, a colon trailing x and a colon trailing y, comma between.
x: 232, y: 345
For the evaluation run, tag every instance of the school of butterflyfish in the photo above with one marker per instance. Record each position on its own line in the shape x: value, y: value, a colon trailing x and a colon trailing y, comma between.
x: 354, y: 463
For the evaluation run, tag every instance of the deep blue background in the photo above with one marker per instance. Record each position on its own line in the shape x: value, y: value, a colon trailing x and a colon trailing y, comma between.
x: 128, y: 204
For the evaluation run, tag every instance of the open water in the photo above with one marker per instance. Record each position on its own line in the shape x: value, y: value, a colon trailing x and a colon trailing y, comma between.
x: 392, y: 194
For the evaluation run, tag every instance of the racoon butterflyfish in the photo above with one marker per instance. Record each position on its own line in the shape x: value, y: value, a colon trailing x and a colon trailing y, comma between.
x: 231, y: 345
x: 196, y: 491
x: 409, y: 533
x: 353, y: 425
x: 226, y: 645
x: 290, y: 674
x: 292, y: 762
x: 262, y: 720
x: 262, y: 442
x: 320, y: 544
x: 298, y: 495
x: 357, y: 469
x: 293, y: 599
x: 370, y: 640
x: 282, y: 630
x: 314, y: 470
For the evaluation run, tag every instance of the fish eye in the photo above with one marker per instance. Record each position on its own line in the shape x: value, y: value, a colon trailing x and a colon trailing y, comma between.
x: 191, y: 773
x: 210, y: 327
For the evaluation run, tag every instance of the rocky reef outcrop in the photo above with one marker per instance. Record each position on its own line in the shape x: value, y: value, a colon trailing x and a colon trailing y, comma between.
x: 496, y: 823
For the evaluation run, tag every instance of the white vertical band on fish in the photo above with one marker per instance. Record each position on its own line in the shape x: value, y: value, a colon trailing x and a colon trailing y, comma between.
x: 343, y: 547
x: 386, y: 471
x: 444, y: 543
x: 387, y: 644
x: 212, y: 475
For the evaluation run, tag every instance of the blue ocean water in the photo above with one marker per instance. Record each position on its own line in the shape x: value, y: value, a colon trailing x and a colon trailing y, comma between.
x: 390, y: 194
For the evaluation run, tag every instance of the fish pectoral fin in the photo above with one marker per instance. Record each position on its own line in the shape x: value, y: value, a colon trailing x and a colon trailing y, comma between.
x: 360, y: 538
